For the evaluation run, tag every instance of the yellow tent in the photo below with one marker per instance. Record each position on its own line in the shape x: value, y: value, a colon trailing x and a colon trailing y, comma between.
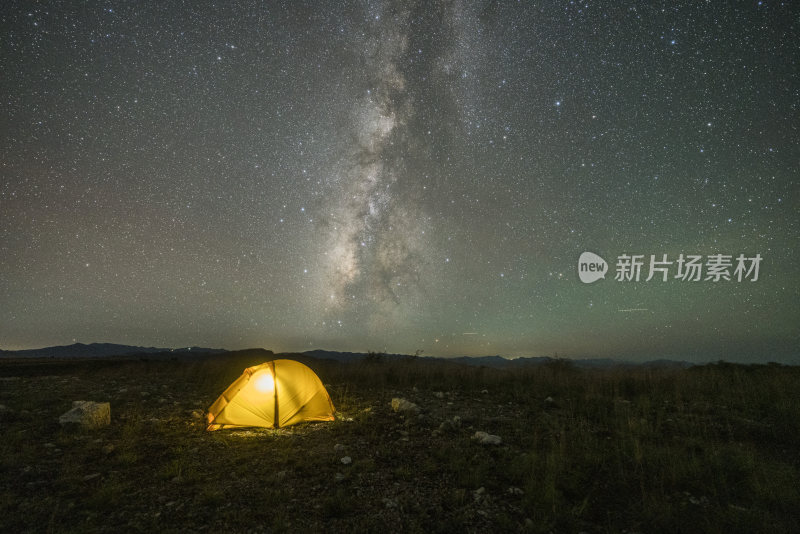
x: 273, y: 395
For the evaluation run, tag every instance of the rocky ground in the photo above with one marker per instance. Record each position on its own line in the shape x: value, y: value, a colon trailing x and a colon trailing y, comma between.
x: 554, y: 452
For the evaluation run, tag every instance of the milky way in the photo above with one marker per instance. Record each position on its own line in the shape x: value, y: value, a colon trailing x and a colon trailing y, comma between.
x: 374, y: 253
x: 399, y: 176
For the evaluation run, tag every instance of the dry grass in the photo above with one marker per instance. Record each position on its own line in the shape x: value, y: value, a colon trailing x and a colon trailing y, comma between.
x: 706, y: 449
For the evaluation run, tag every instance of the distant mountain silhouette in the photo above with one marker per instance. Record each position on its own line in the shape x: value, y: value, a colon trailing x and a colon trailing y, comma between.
x: 498, y: 362
x: 111, y: 350
x: 100, y: 350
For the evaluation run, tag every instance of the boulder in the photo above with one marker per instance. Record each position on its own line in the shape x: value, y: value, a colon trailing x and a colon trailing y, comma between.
x: 87, y: 414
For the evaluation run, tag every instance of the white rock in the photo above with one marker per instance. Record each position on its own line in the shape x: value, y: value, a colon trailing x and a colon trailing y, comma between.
x: 346, y: 460
x: 484, y: 438
x: 404, y: 406
x: 87, y: 414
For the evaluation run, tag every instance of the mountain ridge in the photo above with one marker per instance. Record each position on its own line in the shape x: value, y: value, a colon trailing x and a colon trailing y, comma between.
x: 112, y: 350
x: 99, y: 350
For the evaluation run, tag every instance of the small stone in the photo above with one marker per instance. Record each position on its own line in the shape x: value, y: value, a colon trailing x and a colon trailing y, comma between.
x: 338, y: 447
x: 90, y: 477
x: 403, y: 406
x: 513, y: 490
x: 177, y: 480
x: 197, y: 414
x: 438, y: 394
x: 346, y: 460
x: 450, y: 425
x: 549, y: 400
x: 108, y: 449
x: 484, y: 438
x: 338, y: 477
x: 144, y: 393
x: 485, y: 391
x: 49, y: 445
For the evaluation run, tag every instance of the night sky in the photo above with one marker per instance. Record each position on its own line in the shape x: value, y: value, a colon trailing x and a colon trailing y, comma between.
x: 401, y: 176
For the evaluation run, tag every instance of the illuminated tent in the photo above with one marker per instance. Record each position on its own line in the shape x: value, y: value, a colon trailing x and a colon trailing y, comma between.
x: 273, y: 395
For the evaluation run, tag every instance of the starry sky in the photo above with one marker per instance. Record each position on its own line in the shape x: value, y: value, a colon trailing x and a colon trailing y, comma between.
x: 401, y: 176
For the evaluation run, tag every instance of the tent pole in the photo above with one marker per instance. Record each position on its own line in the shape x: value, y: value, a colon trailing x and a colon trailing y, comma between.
x: 277, y: 422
